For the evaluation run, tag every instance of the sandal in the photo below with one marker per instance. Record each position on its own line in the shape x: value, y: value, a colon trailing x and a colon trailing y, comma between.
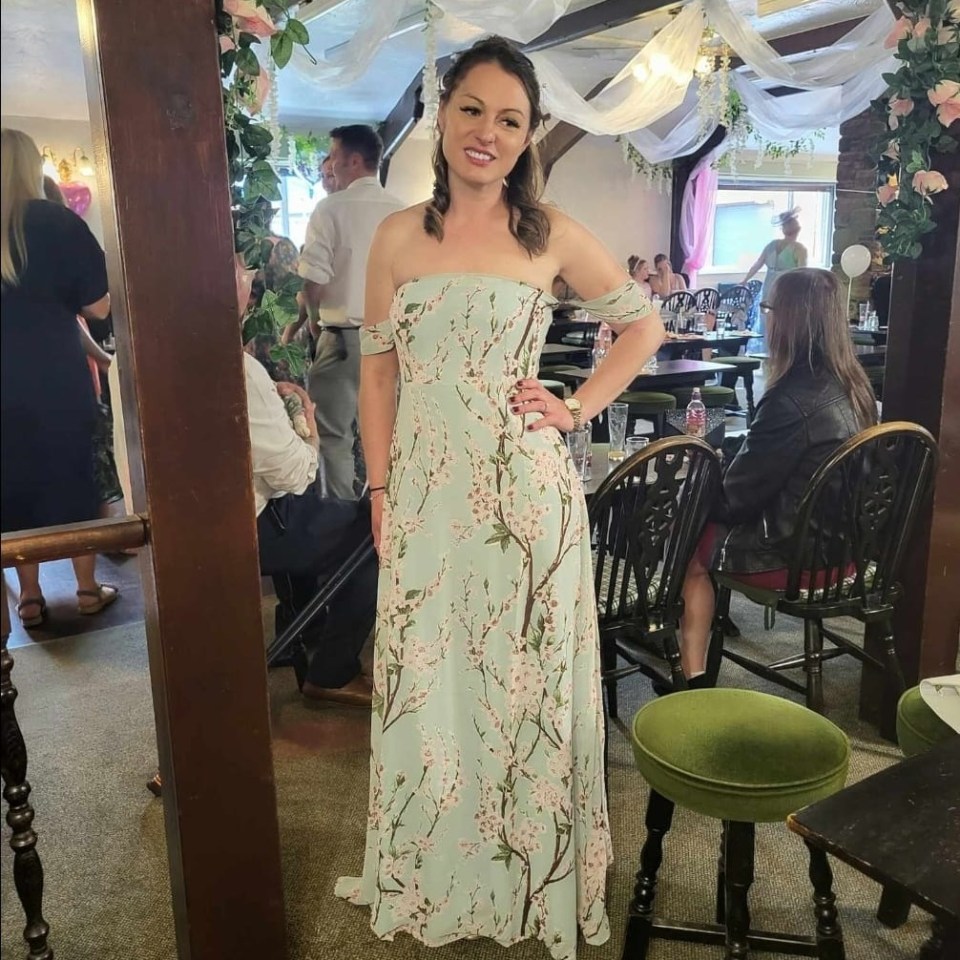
x: 104, y: 595
x: 38, y: 617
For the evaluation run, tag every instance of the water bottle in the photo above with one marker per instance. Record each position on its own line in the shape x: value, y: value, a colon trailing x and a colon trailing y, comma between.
x: 602, y: 344
x: 696, y: 417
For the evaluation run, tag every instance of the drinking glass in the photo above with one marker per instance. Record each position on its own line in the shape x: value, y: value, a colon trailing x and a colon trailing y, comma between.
x: 578, y: 443
x: 650, y: 366
x: 699, y: 323
x: 617, y: 412
x: 864, y: 313
x: 636, y: 444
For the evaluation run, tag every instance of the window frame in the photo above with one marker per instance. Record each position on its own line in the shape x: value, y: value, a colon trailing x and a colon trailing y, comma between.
x: 769, y: 184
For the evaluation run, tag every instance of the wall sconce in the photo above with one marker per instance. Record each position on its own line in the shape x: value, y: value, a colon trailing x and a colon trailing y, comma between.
x: 63, y: 169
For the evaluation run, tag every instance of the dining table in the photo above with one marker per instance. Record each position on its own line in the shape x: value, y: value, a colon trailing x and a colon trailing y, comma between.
x: 669, y: 374
x: 901, y: 827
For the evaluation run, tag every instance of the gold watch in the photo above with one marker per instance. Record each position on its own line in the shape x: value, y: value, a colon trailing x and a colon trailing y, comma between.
x: 576, y: 409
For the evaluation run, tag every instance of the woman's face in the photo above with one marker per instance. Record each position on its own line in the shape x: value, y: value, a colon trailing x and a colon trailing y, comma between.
x: 791, y: 229
x: 485, y: 124
x: 664, y: 266
x: 641, y: 272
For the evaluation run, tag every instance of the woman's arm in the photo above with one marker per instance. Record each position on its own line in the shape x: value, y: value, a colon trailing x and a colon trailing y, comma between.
x: 801, y: 255
x: 378, y: 374
x: 757, y: 265
x: 588, y: 267
x: 92, y: 349
x: 99, y: 310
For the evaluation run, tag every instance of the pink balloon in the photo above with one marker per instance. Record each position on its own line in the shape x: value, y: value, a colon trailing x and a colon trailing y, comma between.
x: 78, y: 197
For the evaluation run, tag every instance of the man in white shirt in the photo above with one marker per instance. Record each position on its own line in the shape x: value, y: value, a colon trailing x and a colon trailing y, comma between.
x: 303, y: 539
x: 334, y: 264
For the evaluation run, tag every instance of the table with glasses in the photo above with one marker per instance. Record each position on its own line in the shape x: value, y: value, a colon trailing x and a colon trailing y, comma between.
x: 554, y: 351
x: 670, y: 374
x: 678, y: 344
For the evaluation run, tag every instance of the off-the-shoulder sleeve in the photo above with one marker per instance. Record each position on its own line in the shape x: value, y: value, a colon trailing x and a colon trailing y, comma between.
x: 623, y: 305
x: 377, y: 337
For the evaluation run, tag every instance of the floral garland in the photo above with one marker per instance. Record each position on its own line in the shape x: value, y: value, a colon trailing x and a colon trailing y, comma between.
x: 923, y: 103
x: 431, y: 82
x: 656, y: 174
x: 255, y: 186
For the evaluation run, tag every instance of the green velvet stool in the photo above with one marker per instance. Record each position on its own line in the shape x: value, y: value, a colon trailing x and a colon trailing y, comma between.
x: 712, y: 395
x: 918, y: 729
x: 744, y: 368
x: 744, y: 758
x: 650, y: 405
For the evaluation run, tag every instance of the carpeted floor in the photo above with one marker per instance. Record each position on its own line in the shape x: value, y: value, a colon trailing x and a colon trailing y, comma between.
x: 85, y: 709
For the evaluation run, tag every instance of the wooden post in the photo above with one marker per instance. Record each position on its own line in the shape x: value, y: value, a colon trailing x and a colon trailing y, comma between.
x: 153, y: 84
x: 922, y: 384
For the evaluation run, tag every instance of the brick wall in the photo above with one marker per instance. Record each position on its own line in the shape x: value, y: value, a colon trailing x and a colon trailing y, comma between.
x: 855, y: 213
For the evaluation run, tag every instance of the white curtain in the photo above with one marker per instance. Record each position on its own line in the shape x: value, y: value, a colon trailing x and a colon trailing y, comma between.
x: 654, y: 97
x: 520, y: 21
x: 628, y: 103
x: 351, y: 60
x: 861, y: 49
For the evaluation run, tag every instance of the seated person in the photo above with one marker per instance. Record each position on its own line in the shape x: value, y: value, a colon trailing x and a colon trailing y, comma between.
x: 303, y: 537
x: 664, y: 281
x: 640, y: 271
x: 817, y: 397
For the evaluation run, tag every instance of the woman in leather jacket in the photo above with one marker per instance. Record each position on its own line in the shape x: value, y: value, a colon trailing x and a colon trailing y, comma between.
x: 817, y: 396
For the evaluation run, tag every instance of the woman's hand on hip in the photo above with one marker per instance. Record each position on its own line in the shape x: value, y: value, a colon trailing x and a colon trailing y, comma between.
x: 532, y: 397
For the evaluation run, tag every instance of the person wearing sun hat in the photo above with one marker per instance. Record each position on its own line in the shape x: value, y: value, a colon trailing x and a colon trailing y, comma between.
x: 778, y: 256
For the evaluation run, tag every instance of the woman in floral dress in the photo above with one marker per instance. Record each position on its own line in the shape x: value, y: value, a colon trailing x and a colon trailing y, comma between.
x: 487, y: 808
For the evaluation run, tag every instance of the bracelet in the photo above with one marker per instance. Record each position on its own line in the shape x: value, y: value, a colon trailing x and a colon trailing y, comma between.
x: 373, y: 490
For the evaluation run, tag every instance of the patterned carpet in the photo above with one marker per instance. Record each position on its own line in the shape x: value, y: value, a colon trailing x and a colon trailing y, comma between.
x: 85, y: 709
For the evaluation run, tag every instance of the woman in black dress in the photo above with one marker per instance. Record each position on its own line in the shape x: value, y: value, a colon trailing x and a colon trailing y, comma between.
x: 52, y: 270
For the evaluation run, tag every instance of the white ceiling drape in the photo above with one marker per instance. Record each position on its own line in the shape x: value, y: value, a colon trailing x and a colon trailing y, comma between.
x: 653, y: 99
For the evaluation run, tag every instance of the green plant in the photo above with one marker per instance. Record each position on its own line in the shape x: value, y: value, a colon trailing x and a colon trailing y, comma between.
x: 922, y: 105
x: 242, y: 25
x: 656, y: 174
x: 308, y: 153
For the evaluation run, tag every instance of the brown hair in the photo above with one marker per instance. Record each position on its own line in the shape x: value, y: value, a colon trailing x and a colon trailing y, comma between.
x: 362, y: 139
x: 633, y: 262
x: 808, y: 324
x: 529, y: 223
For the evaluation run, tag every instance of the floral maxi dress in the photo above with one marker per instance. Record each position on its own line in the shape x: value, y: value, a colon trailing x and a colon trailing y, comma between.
x: 487, y: 809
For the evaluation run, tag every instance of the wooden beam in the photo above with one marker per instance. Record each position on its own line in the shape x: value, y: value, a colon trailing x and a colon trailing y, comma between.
x: 807, y: 40
x: 157, y: 124
x: 922, y: 384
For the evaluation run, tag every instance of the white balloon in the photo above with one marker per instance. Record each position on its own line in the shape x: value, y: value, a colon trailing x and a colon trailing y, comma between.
x: 855, y: 260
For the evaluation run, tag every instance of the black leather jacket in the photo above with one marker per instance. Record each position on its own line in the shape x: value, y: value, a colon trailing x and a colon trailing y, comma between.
x: 799, y: 422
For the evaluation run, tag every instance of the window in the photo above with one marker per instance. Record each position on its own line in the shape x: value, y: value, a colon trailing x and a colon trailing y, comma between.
x: 296, y: 205
x: 742, y: 225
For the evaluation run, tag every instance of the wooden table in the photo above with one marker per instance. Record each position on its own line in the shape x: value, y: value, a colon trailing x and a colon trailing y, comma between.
x: 670, y: 374
x: 901, y: 827
x: 732, y: 339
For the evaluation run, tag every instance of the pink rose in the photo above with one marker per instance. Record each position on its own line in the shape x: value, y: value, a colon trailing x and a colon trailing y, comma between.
x: 949, y: 111
x: 901, y: 107
x: 900, y: 31
x: 943, y: 91
x: 226, y: 43
x: 250, y: 18
x: 923, y: 25
x: 893, y: 122
x: 927, y: 182
x: 886, y: 194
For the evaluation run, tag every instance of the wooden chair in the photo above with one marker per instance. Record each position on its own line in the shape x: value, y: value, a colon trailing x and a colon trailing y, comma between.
x: 682, y: 300
x: 646, y: 519
x: 707, y: 300
x: 735, y: 304
x: 853, y: 526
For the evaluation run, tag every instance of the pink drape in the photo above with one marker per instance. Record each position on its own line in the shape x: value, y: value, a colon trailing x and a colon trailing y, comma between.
x: 696, y: 217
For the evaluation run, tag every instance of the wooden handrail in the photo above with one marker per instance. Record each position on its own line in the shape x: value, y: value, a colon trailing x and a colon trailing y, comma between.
x: 74, y: 540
